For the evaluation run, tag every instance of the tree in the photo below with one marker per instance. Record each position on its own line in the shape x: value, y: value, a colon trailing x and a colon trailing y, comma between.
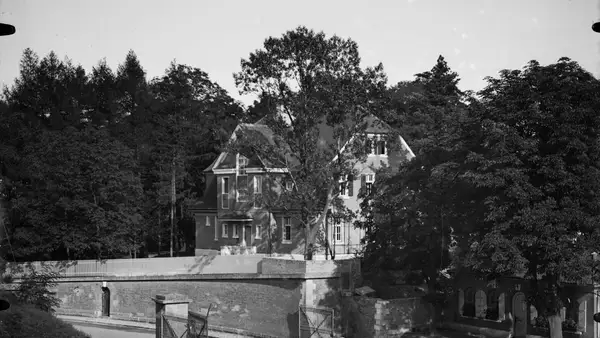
x: 316, y: 87
x: 413, y: 215
x: 78, y: 199
x: 103, y: 96
x: 191, y: 120
x: 538, y: 178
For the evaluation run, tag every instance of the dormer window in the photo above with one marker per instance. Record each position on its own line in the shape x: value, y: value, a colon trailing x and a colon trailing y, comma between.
x: 242, y: 163
x: 346, y: 186
x: 242, y: 179
x: 377, y: 145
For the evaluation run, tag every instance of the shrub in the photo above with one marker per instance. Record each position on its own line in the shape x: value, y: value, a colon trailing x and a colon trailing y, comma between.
x: 34, y: 289
x: 569, y: 325
x: 540, y: 322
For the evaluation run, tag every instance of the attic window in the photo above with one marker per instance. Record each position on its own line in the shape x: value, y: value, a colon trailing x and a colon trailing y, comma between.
x: 242, y: 163
x: 376, y: 145
x: 346, y: 185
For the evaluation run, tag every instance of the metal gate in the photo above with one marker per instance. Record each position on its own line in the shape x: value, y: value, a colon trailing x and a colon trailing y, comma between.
x: 195, y: 326
x: 174, y: 327
x: 315, y: 322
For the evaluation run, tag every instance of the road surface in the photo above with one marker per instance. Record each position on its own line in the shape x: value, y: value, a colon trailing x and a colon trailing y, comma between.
x: 103, y: 331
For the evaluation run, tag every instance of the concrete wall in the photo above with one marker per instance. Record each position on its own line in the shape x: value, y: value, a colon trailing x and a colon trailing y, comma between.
x: 252, y: 293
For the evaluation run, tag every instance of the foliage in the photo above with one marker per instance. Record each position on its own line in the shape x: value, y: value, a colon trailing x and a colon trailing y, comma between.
x: 569, y: 325
x: 537, y: 175
x: 492, y: 313
x: 85, y: 185
x: 540, y: 322
x: 34, y: 289
x: 413, y: 216
x: 313, y: 84
x: 84, y: 157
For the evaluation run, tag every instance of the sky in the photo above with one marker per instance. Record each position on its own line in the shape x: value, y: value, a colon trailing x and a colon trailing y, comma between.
x: 477, y: 37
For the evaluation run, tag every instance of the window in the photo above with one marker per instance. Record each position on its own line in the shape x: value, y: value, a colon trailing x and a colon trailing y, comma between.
x: 289, y: 185
x: 337, y: 232
x: 242, y: 189
x: 224, y: 230
x: 225, y: 192
x: 242, y: 163
x: 369, y: 180
x: 287, y: 230
x: 346, y: 185
x: 257, y: 185
x: 258, y: 234
x: 377, y: 145
x: 236, y: 231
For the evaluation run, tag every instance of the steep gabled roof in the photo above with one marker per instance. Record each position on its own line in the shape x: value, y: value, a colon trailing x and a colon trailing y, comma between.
x: 260, y: 131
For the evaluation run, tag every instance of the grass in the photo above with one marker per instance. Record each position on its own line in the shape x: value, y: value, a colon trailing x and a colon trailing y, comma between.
x: 25, y: 321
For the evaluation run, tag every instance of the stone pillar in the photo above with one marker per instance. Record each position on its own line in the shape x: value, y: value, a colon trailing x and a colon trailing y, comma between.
x: 173, y: 305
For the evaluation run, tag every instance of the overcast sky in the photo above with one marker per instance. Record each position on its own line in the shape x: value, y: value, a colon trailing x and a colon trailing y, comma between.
x: 477, y: 37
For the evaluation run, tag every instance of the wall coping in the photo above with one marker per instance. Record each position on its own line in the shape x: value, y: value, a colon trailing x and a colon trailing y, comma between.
x: 190, y: 277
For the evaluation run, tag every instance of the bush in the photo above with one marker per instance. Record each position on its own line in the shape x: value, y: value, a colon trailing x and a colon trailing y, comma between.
x: 569, y: 325
x: 34, y: 289
x: 541, y: 322
x: 26, y: 321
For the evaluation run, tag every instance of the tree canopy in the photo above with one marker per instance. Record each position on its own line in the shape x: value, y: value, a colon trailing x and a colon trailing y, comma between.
x: 317, y: 96
x: 87, y: 158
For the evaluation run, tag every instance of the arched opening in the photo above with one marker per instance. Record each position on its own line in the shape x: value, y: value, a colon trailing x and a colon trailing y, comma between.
x: 105, y: 302
x: 492, y: 311
x: 480, y: 304
x: 469, y: 303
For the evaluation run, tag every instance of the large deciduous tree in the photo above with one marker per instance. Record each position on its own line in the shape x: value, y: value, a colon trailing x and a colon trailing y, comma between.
x: 315, y: 85
x: 413, y: 215
x: 538, y: 174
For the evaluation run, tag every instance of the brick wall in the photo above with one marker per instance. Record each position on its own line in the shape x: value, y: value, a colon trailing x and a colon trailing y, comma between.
x: 264, y: 306
x: 265, y: 302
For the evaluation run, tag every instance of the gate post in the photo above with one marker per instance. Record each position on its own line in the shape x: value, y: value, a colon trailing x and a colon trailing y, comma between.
x: 172, y: 304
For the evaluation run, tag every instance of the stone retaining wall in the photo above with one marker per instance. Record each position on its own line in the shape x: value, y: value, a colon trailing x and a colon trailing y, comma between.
x: 265, y: 302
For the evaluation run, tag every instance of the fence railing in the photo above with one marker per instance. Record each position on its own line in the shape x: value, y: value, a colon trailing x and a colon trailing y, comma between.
x: 144, y: 266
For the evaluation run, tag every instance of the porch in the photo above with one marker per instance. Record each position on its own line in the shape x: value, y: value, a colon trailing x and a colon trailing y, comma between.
x: 242, y: 235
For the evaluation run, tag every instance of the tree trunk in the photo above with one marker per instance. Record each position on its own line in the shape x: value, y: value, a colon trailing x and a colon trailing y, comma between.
x: 308, y: 243
x: 435, y: 306
x: 555, y: 326
x: 326, y: 238
x: 311, y: 230
x: 173, y: 196
x: 159, y: 232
